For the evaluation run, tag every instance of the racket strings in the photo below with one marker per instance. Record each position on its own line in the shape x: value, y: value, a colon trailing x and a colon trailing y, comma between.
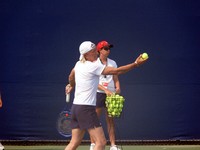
x: 63, y: 124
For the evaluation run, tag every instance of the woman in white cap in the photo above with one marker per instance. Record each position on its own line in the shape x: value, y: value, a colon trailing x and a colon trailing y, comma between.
x: 84, y: 77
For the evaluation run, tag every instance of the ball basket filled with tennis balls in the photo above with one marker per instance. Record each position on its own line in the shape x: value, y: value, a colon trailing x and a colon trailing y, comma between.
x: 114, y: 104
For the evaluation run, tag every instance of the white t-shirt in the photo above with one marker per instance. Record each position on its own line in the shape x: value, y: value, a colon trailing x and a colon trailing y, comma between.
x: 87, y: 80
x: 107, y: 80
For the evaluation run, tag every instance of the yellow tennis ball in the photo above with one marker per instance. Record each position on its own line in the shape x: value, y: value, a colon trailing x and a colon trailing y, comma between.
x: 113, y: 113
x: 145, y: 56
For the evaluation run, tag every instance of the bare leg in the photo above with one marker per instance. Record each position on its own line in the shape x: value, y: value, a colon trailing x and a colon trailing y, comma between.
x: 110, y: 128
x: 98, y: 136
x: 77, y: 136
x: 99, y: 111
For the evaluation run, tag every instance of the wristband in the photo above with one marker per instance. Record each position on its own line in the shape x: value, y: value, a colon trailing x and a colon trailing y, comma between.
x: 136, y: 63
x: 68, y: 85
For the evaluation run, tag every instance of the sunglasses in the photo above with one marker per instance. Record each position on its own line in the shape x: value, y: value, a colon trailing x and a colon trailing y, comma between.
x: 106, y: 48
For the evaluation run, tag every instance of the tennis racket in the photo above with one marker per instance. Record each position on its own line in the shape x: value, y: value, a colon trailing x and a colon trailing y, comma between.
x: 64, y: 120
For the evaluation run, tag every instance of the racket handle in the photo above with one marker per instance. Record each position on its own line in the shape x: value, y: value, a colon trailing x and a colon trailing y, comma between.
x: 67, y: 98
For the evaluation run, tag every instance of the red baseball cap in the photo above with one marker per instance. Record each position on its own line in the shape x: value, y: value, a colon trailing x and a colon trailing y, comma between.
x: 102, y: 44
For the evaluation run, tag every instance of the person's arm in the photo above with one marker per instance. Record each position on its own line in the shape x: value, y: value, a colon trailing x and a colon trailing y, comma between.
x: 69, y: 87
x: 108, y: 92
x: 117, y: 84
x: 1, y: 103
x: 72, y: 78
x: 125, y: 68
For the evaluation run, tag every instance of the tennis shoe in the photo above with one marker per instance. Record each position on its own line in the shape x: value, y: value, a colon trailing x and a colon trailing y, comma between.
x: 92, y: 146
x: 1, y: 147
x: 114, y: 147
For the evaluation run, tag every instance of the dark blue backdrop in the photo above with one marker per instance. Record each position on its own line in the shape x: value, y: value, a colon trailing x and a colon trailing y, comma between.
x: 39, y: 46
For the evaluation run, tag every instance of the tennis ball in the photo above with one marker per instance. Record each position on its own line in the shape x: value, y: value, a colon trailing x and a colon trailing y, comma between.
x: 120, y: 110
x: 116, y: 105
x: 113, y: 113
x: 113, y: 102
x: 109, y: 110
x: 145, y: 56
x: 115, y: 110
x: 121, y: 106
x: 111, y: 106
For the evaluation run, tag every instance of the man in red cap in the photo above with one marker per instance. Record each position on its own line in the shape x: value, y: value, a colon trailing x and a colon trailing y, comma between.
x: 108, y: 85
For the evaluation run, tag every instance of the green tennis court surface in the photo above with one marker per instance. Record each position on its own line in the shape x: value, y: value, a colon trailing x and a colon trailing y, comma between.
x: 123, y: 147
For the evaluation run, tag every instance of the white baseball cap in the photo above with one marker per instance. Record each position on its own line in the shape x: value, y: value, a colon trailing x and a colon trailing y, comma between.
x: 85, y: 47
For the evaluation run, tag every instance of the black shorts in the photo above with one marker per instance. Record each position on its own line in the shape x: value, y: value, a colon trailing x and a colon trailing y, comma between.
x: 101, y: 98
x: 84, y: 117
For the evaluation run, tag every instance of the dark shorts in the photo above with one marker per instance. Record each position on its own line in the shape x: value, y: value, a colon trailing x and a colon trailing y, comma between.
x: 84, y: 117
x: 101, y: 98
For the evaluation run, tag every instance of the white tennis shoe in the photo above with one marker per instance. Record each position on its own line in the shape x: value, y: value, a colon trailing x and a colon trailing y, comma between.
x: 1, y: 147
x: 92, y: 146
x: 114, y: 147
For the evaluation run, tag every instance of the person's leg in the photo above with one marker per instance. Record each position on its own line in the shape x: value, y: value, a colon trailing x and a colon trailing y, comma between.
x: 98, y: 136
x: 77, y: 136
x: 111, y: 131
x: 110, y: 128
x: 99, y: 111
x: 100, y: 104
